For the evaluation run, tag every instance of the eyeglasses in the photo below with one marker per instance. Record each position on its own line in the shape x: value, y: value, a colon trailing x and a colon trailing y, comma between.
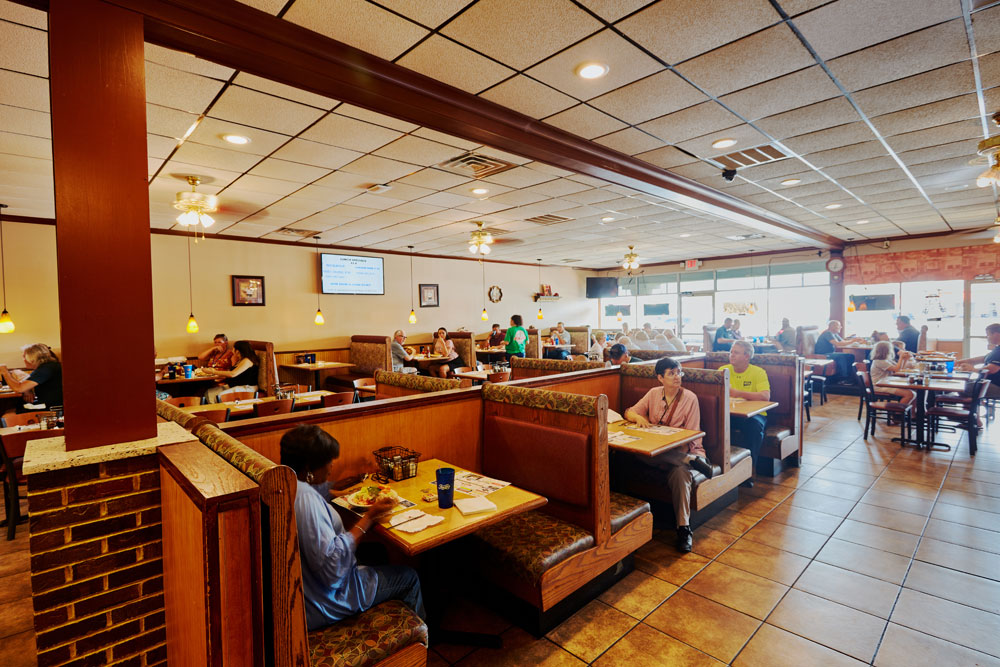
x: 674, y: 374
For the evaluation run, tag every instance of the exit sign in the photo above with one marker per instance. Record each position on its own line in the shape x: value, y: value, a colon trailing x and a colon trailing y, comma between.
x: 690, y: 264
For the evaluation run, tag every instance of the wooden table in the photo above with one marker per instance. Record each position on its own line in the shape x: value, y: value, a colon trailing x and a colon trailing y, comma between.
x: 492, y: 353
x: 245, y: 406
x: 743, y: 408
x: 317, y: 369
x: 509, y: 500
x: 940, y: 375
x: 649, y: 443
x: 192, y: 386
x: 921, y: 402
x: 860, y: 352
x: 425, y: 361
x: 475, y: 376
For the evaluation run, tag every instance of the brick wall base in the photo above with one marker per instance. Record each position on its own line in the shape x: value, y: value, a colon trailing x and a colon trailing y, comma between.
x: 96, y: 567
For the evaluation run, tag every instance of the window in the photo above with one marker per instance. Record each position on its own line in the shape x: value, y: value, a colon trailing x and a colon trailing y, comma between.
x: 938, y: 304
x: 985, y: 310
x: 698, y: 281
x: 866, y: 315
x: 741, y: 279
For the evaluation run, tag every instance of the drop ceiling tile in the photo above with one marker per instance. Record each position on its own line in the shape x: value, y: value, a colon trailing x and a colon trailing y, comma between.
x: 447, y: 139
x: 585, y: 121
x: 852, y: 153
x: 905, y: 56
x: 807, y: 86
x: 25, y: 49
x: 168, y: 122
x: 325, y: 196
x: 344, y: 132
x: 159, y: 147
x: 271, y: 186
x: 25, y: 121
x: 180, y: 90
x: 625, y: 64
x: 249, y: 107
x: 413, y: 208
x: 287, y: 92
x: 934, y: 136
x: 518, y: 198
x: 835, y: 137
x: 612, y: 10
x: 375, y: 118
x: 359, y: 24
x: 959, y: 163
x: 27, y: 16
x: 692, y: 122
x: 806, y: 178
x: 589, y: 197
x: 210, y: 156
x: 647, y: 98
x: 377, y: 202
x: 316, y: 154
x: 519, y: 177
x: 744, y: 135
x: 434, y: 179
x: 418, y: 151
x: 186, y: 62
x: 452, y: 63
x: 549, y: 169
x: 696, y: 26
x: 986, y: 28
x: 666, y: 157
x: 288, y: 171
x: 630, y: 141
x: 850, y: 25
x: 989, y: 69
x: 748, y: 61
x: 174, y: 177
x: 865, y: 191
x: 928, y: 115
x: 779, y: 168
x: 819, y: 116
x: 430, y: 14
x: 483, y: 206
x: 24, y: 90
x: 519, y: 33
x: 697, y: 170
x: 211, y: 130
x: 558, y: 187
x: 919, y: 89
x: 381, y: 170
x: 528, y: 96
x: 861, y: 167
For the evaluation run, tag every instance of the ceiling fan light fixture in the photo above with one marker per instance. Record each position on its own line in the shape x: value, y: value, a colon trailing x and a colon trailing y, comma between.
x: 195, y: 206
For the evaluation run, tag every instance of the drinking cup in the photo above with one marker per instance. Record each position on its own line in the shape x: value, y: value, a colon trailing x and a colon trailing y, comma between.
x: 188, y: 371
x: 949, y: 366
x: 445, y: 487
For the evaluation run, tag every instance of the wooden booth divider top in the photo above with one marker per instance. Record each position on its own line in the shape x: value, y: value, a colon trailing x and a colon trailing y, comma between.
x: 527, y: 367
x: 389, y: 384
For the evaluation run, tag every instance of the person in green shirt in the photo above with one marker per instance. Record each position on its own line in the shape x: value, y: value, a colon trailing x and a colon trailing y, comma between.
x: 748, y: 382
x: 516, y: 338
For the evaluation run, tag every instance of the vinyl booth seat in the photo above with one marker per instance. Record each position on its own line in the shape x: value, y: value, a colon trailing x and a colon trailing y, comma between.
x: 380, y: 635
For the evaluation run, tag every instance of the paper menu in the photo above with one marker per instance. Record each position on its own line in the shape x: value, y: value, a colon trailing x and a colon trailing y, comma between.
x: 662, y: 430
x: 620, y: 438
x: 473, y: 484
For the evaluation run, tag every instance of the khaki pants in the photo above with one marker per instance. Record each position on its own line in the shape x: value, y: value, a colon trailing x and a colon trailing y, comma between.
x: 679, y: 479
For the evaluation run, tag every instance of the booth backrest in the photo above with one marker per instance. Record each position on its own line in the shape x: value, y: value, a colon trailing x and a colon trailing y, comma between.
x: 533, y: 348
x: 529, y: 368
x: 580, y: 338
x: 553, y: 444
x: 267, y: 376
x: 465, y: 345
x: 389, y: 384
x: 806, y: 340
x: 370, y: 353
x: 708, y: 337
x: 712, y: 389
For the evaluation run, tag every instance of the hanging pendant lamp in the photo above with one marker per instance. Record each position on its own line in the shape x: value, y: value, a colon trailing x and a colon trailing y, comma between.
x: 485, y: 316
x: 319, y: 319
x: 192, y: 325
x: 413, y: 313
x: 6, y: 323
x: 539, y: 285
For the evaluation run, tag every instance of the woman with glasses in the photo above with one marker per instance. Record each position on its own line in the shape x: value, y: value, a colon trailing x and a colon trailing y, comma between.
x: 672, y: 405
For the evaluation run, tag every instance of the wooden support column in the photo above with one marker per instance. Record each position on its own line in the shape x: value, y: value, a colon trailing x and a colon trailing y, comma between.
x: 97, y: 87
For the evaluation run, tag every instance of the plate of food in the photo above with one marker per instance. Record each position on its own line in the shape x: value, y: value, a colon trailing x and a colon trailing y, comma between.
x: 369, y: 494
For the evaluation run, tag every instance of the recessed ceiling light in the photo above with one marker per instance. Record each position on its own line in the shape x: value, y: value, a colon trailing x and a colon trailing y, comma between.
x: 607, y: 219
x: 791, y: 181
x: 833, y: 206
x: 723, y: 143
x: 862, y: 222
x: 591, y: 70
x: 479, y: 191
x: 684, y: 236
x: 237, y: 139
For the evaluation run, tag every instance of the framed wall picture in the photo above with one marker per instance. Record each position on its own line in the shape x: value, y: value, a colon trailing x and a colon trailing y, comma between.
x: 248, y: 290
x: 429, y: 296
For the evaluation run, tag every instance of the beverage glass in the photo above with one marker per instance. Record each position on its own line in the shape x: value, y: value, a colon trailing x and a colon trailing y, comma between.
x: 445, y: 487
x: 188, y: 371
x: 949, y: 366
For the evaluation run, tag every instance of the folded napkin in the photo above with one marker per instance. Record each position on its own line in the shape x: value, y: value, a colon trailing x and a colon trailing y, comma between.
x: 418, y: 524
x: 35, y: 406
x: 614, y: 416
x: 403, y: 517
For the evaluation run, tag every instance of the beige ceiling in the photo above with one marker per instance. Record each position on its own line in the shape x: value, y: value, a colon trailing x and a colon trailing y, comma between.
x: 878, y: 103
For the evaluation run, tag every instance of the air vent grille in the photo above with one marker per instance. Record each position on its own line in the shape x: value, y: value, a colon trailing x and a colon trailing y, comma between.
x: 292, y: 231
x: 750, y: 157
x: 745, y: 237
x: 547, y: 219
x: 475, y: 165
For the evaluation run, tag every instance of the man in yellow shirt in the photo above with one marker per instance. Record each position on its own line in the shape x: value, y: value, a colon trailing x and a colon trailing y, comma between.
x: 748, y: 382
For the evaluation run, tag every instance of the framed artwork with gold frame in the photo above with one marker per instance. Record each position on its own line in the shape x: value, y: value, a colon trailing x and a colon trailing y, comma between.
x: 248, y: 290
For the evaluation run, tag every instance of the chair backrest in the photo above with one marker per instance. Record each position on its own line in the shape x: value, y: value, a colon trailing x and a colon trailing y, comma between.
x: 865, y: 380
x: 267, y: 367
x: 978, y: 394
x: 708, y: 337
x: 579, y: 337
x: 13, y: 444
x: 268, y: 408
x: 184, y: 401
x: 922, y: 338
x: 465, y: 346
x: 340, y: 398
x: 500, y: 376
x: 22, y: 419
x: 533, y: 348
x: 295, y: 388
x: 367, y: 382
x: 371, y: 353
x: 217, y: 416
x: 805, y: 340
x: 236, y: 395
x: 462, y: 369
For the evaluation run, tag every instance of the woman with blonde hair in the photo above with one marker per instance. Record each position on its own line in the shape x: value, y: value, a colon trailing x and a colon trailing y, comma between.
x: 884, y: 365
x: 44, y: 385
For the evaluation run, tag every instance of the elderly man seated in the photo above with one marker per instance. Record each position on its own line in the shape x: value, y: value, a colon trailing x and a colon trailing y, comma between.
x: 400, y: 354
x: 750, y: 383
x: 559, y: 336
x: 830, y: 343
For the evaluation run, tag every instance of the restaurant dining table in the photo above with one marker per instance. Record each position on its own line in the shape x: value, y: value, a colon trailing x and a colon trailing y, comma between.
x: 510, y: 500
x: 860, y: 352
x: 475, y: 376
x: 243, y: 407
x: 739, y: 407
x: 425, y: 361
x: 920, y: 402
x: 940, y: 375
x: 651, y: 441
x: 491, y: 354
x: 317, y: 368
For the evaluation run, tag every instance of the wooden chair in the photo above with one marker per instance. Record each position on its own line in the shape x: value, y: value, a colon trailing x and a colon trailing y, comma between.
x: 236, y: 395
x: 268, y: 408
x: 903, y: 412
x: 22, y: 419
x: 217, y: 416
x: 340, y: 398
x: 295, y: 388
x: 500, y: 376
x: 360, y: 386
x: 184, y: 401
x: 12, y: 448
x: 964, y: 419
x: 862, y: 367
x: 461, y: 369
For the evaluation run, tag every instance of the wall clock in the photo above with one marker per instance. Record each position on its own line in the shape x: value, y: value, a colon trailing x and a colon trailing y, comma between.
x: 835, y: 264
x: 495, y: 293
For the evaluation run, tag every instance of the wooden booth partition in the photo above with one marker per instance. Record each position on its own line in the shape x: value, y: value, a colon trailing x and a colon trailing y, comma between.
x: 529, y: 367
x: 389, y: 384
x: 685, y: 359
x: 465, y: 345
x: 267, y: 375
x: 368, y: 354
x: 211, y: 520
x: 591, y: 382
x: 443, y: 425
x: 579, y: 337
x: 533, y: 348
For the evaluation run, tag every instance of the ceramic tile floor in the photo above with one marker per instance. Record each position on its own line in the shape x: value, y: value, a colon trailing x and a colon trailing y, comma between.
x: 867, y: 554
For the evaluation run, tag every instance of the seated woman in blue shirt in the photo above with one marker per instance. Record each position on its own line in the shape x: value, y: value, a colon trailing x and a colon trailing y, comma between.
x: 333, y: 583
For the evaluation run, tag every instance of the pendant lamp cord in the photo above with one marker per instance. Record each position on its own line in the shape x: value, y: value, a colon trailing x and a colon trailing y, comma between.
x: 411, y: 278
x: 3, y: 272
x: 190, y: 287
x: 320, y: 269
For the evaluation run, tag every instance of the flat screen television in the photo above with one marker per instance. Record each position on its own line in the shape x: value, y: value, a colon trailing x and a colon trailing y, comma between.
x: 351, y: 274
x: 874, y: 302
x: 602, y: 288
x: 613, y: 310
